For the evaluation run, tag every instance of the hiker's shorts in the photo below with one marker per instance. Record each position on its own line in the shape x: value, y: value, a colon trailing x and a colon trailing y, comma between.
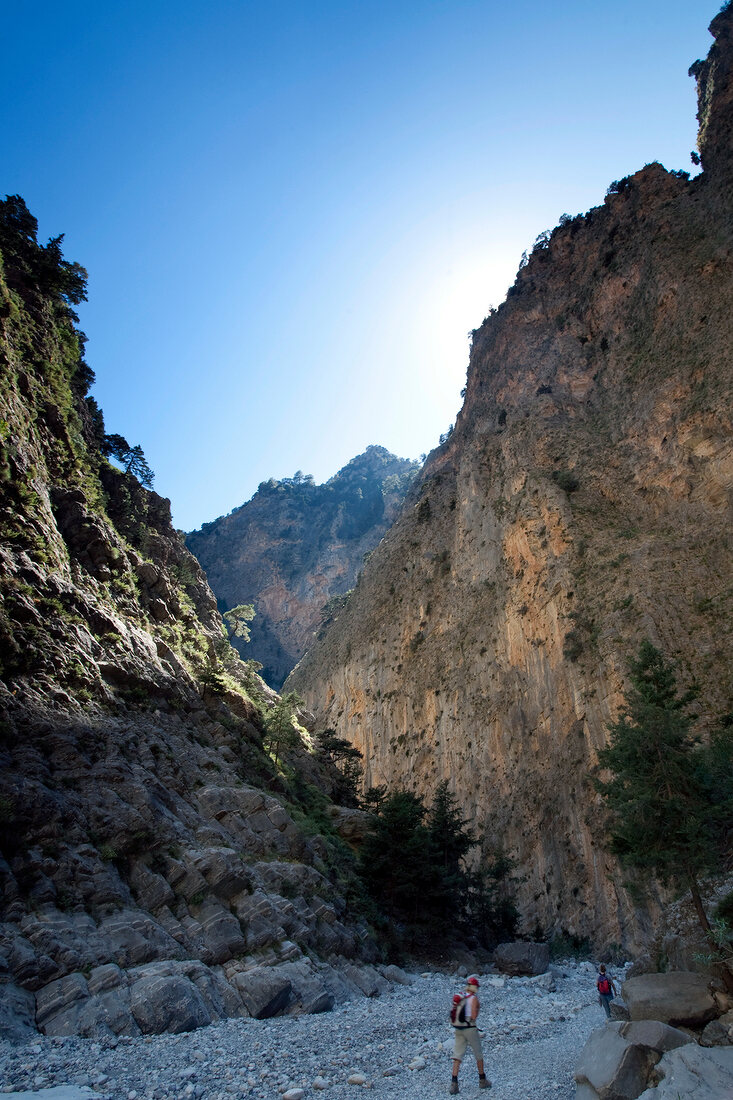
x: 467, y: 1037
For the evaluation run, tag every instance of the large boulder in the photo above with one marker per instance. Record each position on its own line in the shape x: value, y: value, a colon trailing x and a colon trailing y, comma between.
x: 17, y: 1013
x: 680, y: 998
x: 612, y: 1067
x: 264, y: 990
x: 367, y: 979
x: 718, y: 1033
x: 396, y: 975
x: 617, y: 1061
x: 57, y: 1004
x: 695, y: 1074
x: 652, y: 1033
x: 168, y: 1002
x: 522, y: 957
x: 308, y: 992
x: 96, y: 1008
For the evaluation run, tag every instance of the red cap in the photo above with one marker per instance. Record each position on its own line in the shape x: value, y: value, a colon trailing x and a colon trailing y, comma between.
x: 473, y: 981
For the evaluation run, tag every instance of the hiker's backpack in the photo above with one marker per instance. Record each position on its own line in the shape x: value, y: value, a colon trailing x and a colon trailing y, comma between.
x: 604, y: 985
x: 458, y: 1010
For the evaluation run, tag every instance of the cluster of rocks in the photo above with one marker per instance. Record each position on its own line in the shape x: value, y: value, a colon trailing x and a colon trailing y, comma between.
x: 234, y: 913
x: 395, y: 1040
x: 673, y: 1036
x: 388, y: 1030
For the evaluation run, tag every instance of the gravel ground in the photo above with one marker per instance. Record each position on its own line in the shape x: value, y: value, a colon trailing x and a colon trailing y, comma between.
x: 399, y: 1042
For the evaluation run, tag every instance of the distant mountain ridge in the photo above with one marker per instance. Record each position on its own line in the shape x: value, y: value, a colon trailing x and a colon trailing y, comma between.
x: 295, y: 546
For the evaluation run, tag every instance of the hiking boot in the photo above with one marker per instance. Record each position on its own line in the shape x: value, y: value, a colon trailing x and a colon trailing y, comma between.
x: 484, y: 1083
x: 453, y: 1088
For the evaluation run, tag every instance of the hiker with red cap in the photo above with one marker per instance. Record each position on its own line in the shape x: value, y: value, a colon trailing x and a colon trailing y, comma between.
x: 463, y: 1019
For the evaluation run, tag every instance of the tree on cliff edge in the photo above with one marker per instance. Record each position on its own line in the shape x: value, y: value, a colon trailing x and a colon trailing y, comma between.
x: 670, y: 797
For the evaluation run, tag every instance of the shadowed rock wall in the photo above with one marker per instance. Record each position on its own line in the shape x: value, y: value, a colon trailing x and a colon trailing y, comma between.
x: 157, y: 871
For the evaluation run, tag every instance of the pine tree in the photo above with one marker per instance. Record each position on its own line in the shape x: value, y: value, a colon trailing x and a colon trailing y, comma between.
x: 451, y: 842
x: 237, y: 618
x: 280, y: 731
x: 412, y: 863
x: 666, y: 802
x: 132, y: 458
x: 396, y: 862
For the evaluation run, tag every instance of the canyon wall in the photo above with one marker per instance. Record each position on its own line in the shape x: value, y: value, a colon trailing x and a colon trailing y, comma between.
x: 295, y: 547
x: 582, y: 503
x: 157, y: 869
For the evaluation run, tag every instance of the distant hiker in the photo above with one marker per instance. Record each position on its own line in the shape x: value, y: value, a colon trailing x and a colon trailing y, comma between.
x: 606, y: 990
x: 463, y: 1019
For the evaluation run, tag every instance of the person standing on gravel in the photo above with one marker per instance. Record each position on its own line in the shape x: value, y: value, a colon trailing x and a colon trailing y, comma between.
x: 606, y: 990
x: 467, y: 1035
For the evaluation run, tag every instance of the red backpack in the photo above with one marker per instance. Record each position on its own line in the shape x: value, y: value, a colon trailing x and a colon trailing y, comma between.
x: 458, y: 1010
x: 604, y: 985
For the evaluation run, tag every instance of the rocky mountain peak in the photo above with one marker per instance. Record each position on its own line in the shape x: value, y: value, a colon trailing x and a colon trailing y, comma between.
x: 715, y: 97
x: 295, y: 549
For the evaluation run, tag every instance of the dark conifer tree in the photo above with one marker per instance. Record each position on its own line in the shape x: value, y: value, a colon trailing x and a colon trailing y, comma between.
x: 451, y: 842
x: 667, y: 804
x: 396, y: 862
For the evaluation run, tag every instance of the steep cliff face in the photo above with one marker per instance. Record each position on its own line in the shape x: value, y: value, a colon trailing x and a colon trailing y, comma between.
x: 153, y: 860
x: 295, y: 546
x: 582, y: 503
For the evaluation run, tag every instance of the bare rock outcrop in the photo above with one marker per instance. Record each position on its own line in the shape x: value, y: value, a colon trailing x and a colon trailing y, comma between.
x: 295, y: 549
x: 693, y: 1073
x: 581, y: 504
x: 156, y: 866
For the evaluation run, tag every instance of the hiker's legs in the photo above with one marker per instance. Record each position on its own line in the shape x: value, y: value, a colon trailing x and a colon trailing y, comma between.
x: 459, y: 1049
x: 474, y: 1041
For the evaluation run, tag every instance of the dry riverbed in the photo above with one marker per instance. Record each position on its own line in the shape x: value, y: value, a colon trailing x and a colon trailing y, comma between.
x: 534, y: 1030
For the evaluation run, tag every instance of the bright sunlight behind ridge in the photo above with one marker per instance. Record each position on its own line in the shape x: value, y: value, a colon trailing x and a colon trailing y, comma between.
x: 292, y: 213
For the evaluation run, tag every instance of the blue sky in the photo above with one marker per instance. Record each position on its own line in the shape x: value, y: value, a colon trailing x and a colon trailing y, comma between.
x: 292, y: 212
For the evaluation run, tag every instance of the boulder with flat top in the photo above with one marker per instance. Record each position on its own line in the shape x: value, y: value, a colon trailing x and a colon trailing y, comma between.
x: 680, y: 998
x: 522, y: 958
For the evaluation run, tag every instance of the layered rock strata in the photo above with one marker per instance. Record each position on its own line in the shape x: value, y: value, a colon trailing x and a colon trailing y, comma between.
x: 582, y: 503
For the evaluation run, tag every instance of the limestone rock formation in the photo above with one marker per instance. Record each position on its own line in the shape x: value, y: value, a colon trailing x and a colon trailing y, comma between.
x: 693, y: 1073
x: 157, y: 871
x: 296, y: 547
x: 649, y: 1060
x: 582, y: 503
x: 680, y: 998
